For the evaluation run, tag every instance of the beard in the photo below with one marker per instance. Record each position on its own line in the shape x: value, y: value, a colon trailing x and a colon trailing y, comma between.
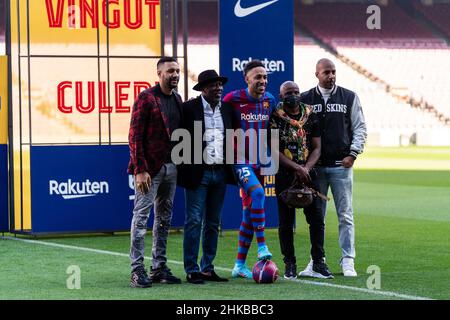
x: 260, y: 88
x: 170, y: 83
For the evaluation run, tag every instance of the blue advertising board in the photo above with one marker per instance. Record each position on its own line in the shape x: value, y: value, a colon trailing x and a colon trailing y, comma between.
x: 80, y: 189
x: 3, y: 188
x: 264, y: 30
x: 257, y: 29
x: 87, y: 189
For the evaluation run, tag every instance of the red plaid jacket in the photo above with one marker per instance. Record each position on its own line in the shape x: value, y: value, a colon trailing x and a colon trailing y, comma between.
x: 149, y: 136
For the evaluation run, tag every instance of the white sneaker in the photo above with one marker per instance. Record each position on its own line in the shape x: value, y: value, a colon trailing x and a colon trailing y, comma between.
x: 348, y: 267
x: 308, y: 272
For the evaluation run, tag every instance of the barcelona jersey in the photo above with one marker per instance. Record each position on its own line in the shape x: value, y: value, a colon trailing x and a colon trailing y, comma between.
x: 251, y: 113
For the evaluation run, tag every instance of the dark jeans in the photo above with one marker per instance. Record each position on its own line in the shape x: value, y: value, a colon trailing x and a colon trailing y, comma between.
x: 286, y: 220
x: 203, y: 208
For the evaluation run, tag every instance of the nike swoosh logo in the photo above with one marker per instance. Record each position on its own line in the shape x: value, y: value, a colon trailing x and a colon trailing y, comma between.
x: 243, y: 12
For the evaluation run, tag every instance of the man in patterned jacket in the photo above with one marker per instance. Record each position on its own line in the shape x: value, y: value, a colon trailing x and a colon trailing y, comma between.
x: 156, y: 114
x: 299, y: 151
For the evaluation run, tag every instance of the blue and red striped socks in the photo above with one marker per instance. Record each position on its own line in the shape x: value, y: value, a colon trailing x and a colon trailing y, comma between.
x: 245, y: 237
x: 253, y: 222
x: 257, y: 215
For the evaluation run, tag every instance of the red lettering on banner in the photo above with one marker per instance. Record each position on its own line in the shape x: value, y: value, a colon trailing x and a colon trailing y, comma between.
x: 79, y: 97
x: 89, y: 8
x: 139, y: 86
x: 72, y: 17
x: 55, y: 21
x: 115, y: 23
x: 152, y: 12
x: 103, y: 108
x: 120, y: 97
x: 61, y: 97
x: 137, y: 24
x: 123, y: 90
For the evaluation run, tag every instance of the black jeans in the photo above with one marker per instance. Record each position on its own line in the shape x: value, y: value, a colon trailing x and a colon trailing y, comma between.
x: 286, y: 220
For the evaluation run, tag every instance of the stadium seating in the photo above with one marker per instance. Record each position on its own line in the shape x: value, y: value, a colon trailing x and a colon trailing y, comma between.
x: 404, y: 53
x: 388, y: 118
x: 419, y: 72
x: 438, y: 14
x: 381, y: 109
x: 203, y: 22
x: 345, y: 24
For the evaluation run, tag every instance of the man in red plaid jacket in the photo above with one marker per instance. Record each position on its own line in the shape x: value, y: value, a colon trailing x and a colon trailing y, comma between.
x: 156, y: 114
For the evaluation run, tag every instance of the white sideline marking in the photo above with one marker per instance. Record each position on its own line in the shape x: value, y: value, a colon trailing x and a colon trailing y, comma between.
x: 324, y: 284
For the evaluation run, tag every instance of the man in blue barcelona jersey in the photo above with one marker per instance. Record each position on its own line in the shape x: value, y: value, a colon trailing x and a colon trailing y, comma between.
x: 252, y: 108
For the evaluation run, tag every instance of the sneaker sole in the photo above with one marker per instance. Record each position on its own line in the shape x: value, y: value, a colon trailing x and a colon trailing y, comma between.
x: 313, y: 274
x: 196, y: 283
x: 166, y: 281
x: 240, y: 275
x: 290, y: 278
x: 169, y: 282
x: 134, y: 285
x: 266, y: 257
x: 352, y: 273
x: 321, y: 276
x: 305, y: 273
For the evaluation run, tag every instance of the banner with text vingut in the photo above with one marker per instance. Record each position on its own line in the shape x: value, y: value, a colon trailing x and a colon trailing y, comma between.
x: 257, y: 29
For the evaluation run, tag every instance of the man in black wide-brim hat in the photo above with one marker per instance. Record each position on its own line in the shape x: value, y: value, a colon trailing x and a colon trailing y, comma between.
x: 205, y: 183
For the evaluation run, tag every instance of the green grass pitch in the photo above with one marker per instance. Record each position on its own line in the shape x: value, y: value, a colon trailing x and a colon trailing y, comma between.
x: 402, y: 219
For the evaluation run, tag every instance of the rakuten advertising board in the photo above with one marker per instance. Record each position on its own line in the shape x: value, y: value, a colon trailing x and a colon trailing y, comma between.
x: 88, y: 189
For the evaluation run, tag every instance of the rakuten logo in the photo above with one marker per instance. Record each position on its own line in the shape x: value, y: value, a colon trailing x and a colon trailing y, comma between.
x: 252, y: 117
x: 270, y: 65
x: 73, y: 190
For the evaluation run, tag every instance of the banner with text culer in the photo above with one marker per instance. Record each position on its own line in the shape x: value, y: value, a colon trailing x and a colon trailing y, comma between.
x: 76, y: 68
x: 257, y: 29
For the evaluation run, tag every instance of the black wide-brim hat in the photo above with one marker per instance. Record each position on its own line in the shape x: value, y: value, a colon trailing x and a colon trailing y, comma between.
x: 206, y: 77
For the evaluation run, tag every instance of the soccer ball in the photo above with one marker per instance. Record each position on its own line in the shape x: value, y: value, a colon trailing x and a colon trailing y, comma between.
x: 265, y: 271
